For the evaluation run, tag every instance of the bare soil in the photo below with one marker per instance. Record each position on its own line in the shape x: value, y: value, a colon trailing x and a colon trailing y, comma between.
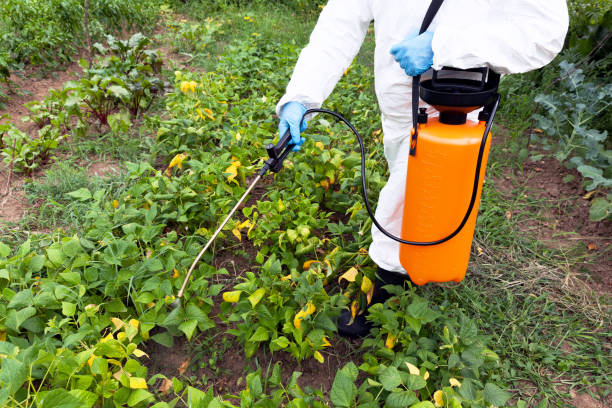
x: 30, y: 86
x: 563, y: 222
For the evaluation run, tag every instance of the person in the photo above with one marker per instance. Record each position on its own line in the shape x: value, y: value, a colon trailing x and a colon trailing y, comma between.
x: 507, y: 36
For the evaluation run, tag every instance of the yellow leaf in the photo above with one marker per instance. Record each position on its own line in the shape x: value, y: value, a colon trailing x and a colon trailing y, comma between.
x: 366, y: 284
x: 117, y: 322
x: 209, y: 113
x: 326, y: 342
x: 284, y: 278
x: 390, y: 342
x: 178, y: 161
x: 200, y: 114
x: 176, y: 273
x: 308, y: 263
x: 113, y: 362
x: 426, y: 375
x: 232, y: 297
x: 151, y: 304
x: 413, y: 369
x: 245, y: 224
x: 138, y: 383
x: 354, y: 308
x: 305, y: 311
x: 121, y: 336
x: 90, y: 361
x: 320, y: 145
x: 237, y: 234
x: 318, y: 357
x: 454, y: 382
x: 297, y: 322
x: 232, y: 170
x: 115, y: 203
x: 107, y: 338
x: 139, y: 353
x: 349, y: 275
x: 438, y: 400
x: 134, y: 323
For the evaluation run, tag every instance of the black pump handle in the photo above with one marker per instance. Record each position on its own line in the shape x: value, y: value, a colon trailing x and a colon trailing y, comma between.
x: 436, y: 84
x: 278, y: 153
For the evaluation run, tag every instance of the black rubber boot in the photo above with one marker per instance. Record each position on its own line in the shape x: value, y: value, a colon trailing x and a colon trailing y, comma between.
x: 361, y: 326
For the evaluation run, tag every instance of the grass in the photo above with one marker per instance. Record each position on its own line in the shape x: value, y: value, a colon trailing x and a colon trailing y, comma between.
x: 54, y: 207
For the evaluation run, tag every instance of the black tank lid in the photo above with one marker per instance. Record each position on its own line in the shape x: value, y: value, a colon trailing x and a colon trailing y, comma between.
x: 458, y: 91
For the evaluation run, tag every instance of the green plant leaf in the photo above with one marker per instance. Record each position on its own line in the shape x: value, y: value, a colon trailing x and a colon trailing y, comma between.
x: 4, y: 250
x: 87, y: 398
x: 343, y: 391
x: 138, y: 396
x: 423, y: 404
x: 600, y: 209
x: 495, y: 395
x: 390, y: 378
x: 13, y: 374
x: 279, y: 343
x: 68, y: 309
x: 188, y: 327
x: 415, y: 382
x: 60, y: 398
x: 401, y: 399
x: 164, y: 338
x: 118, y: 92
x: 81, y: 194
x: 261, y: 334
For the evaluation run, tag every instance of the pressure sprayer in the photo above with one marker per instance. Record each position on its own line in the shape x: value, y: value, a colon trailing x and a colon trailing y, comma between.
x: 448, y: 157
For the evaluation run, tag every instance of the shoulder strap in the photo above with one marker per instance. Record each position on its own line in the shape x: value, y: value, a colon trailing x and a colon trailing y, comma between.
x: 434, y: 6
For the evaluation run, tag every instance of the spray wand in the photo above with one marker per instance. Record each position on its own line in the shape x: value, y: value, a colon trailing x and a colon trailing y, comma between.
x: 277, y: 154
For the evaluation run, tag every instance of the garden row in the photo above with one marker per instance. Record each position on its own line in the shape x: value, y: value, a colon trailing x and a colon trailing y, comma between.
x: 80, y: 308
x: 120, y: 85
x: 51, y: 33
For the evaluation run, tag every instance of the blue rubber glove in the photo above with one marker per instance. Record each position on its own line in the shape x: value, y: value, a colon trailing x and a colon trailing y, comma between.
x: 290, y: 118
x: 414, y: 54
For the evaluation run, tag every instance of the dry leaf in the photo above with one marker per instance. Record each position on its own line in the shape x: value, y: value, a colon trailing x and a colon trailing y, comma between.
x: 165, y: 386
x: 592, y: 246
x: 183, y: 367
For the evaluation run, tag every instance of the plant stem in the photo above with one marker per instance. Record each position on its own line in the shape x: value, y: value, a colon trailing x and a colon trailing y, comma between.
x: 86, y: 28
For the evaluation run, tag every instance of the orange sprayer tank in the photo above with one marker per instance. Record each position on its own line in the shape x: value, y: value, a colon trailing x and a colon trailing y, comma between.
x: 441, y: 175
x: 439, y: 186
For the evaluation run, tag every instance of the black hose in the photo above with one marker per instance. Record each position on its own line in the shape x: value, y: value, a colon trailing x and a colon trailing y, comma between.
x: 364, y: 186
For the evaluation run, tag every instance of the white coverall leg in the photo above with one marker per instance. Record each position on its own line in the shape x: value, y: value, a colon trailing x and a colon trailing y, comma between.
x: 508, y: 36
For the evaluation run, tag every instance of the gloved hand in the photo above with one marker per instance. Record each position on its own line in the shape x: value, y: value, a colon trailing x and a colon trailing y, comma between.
x: 290, y: 118
x: 414, y: 54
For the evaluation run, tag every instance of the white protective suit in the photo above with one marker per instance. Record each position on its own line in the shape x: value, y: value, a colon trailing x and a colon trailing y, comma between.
x: 509, y: 36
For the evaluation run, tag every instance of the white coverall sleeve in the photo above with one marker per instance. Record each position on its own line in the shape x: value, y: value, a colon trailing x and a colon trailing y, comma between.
x: 508, y: 36
x: 334, y: 42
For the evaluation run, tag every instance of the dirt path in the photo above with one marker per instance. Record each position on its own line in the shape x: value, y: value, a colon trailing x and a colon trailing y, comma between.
x: 29, y: 87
